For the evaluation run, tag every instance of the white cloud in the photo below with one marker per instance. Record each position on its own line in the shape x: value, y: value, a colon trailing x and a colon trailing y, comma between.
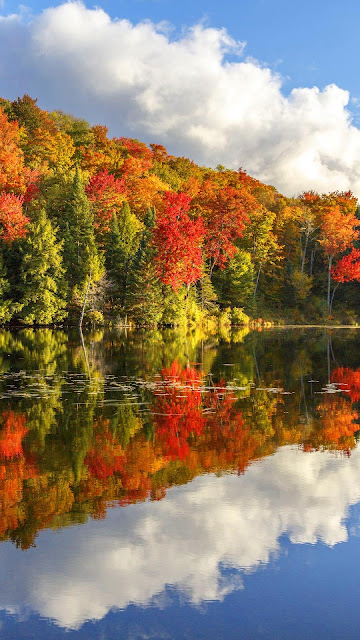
x: 82, y: 573
x: 192, y: 93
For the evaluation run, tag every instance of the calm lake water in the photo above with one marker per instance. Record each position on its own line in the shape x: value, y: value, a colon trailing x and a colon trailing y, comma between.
x: 161, y: 486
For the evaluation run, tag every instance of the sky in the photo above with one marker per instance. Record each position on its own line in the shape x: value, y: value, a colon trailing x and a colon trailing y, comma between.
x: 269, y: 85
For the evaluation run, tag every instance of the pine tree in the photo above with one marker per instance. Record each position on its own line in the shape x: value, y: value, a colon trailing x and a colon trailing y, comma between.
x: 145, y: 300
x: 42, y: 284
x: 122, y: 247
x: 82, y: 259
x: 234, y: 284
x: 206, y: 294
x: 5, y: 304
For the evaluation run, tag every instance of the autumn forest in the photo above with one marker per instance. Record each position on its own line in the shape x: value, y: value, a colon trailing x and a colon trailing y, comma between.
x: 147, y: 238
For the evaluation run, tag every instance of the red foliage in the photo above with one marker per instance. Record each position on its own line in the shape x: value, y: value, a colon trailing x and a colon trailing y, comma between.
x: 225, y: 212
x: 178, y: 241
x: 338, y: 423
x: 12, y: 432
x: 310, y: 198
x: 178, y: 413
x: 32, y: 185
x: 107, y: 195
x: 12, y: 220
x: 106, y: 457
x: 348, y: 381
x: 348, y: 268
x: 338, y: 229
x: 138, y: 157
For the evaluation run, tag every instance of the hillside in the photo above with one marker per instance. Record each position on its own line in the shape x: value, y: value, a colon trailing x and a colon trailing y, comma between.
x: 148, y: 238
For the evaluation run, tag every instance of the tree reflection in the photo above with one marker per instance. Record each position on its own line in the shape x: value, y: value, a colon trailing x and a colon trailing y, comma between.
x: 73, y: 444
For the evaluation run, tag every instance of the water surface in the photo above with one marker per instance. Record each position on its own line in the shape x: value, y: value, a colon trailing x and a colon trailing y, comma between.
x: 158, y: 485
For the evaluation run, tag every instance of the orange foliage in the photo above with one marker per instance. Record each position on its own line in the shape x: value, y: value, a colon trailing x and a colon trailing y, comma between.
x: 338, y: 424
x: 12, y: 432
x: 106, y: 456
x: 12, y: 170
x: 12, y: 220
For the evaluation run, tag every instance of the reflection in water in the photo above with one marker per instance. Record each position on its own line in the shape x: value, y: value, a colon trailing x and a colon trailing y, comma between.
x: 185, y: 540
x: 158, y: 411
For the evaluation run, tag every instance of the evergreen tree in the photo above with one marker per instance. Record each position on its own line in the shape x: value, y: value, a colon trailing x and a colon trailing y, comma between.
x: 6, y: 307
x: 122, y: 247
x: 42, y: 284
x: 234, y: 284
x: 81, y: 256
x: 145, y: 300
x: 206, y: 294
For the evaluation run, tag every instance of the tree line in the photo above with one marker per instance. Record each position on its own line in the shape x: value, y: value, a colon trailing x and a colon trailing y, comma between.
x: 147, y: 238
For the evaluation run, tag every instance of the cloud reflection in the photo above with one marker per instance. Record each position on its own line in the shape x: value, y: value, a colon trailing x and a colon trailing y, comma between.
x: 81, y: 573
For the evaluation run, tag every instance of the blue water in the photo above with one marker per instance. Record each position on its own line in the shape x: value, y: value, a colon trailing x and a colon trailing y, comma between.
x: 197, y: 541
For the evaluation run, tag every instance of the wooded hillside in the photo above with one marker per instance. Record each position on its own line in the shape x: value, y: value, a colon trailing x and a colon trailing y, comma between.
x: 156, y: 238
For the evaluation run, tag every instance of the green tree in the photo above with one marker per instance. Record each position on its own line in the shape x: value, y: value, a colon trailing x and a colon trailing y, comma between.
x: 145, y: 302
x: 235, y: 284
x: 122, y: 246
x: 42, y: 275
x: 6, y: 307
x: 82, y: 260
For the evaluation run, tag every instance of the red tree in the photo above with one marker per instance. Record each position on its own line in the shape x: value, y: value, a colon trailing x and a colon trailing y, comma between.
x: 348, y: 268
x: 178, y: 241
x: 225, y: 212
x: 12, y: 220
x: 107, y: 195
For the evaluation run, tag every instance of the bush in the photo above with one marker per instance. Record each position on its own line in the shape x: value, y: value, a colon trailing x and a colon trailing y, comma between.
x: 239, y: 317
x: 94, y: 317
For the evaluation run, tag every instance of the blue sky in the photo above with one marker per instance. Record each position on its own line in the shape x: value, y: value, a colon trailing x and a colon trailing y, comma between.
x: 309, y: 42
x: 286, y: 107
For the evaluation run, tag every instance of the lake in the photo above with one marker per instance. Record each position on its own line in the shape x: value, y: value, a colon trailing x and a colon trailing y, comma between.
x: 158, y: 485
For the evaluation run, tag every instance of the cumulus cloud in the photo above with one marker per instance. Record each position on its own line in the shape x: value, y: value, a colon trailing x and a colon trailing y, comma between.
x: 195, y: 93
x: 237, y: 522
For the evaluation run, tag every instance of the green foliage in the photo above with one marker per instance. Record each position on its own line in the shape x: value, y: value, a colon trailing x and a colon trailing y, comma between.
x: 173, y: 306
x: 42, y: 275
x: 121, y: 248
x: 302, y: 284
x: 207, y: 296
x: 78, y: 129
x: 235, y: 284
x: 239, y: 317
x: 82, y: 258
x: 168, y: 175
x: 6, y: 306
x: 144, y: 300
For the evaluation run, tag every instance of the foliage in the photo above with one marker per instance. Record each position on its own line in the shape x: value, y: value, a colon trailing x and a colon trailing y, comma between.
x: 43, y: 297
x: 178, y: 241
x: 218, y: 238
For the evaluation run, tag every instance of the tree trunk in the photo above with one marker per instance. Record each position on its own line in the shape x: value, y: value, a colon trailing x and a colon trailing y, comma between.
x: 311, y: 262
x: 304, y: 253
x: 332, y: 297
x: 257, y: 279
x: 329, y: 284
x: 84, y: 303
x: 187, y: 299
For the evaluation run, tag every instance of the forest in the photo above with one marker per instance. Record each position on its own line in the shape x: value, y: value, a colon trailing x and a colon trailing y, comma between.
x: 132, y: 235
